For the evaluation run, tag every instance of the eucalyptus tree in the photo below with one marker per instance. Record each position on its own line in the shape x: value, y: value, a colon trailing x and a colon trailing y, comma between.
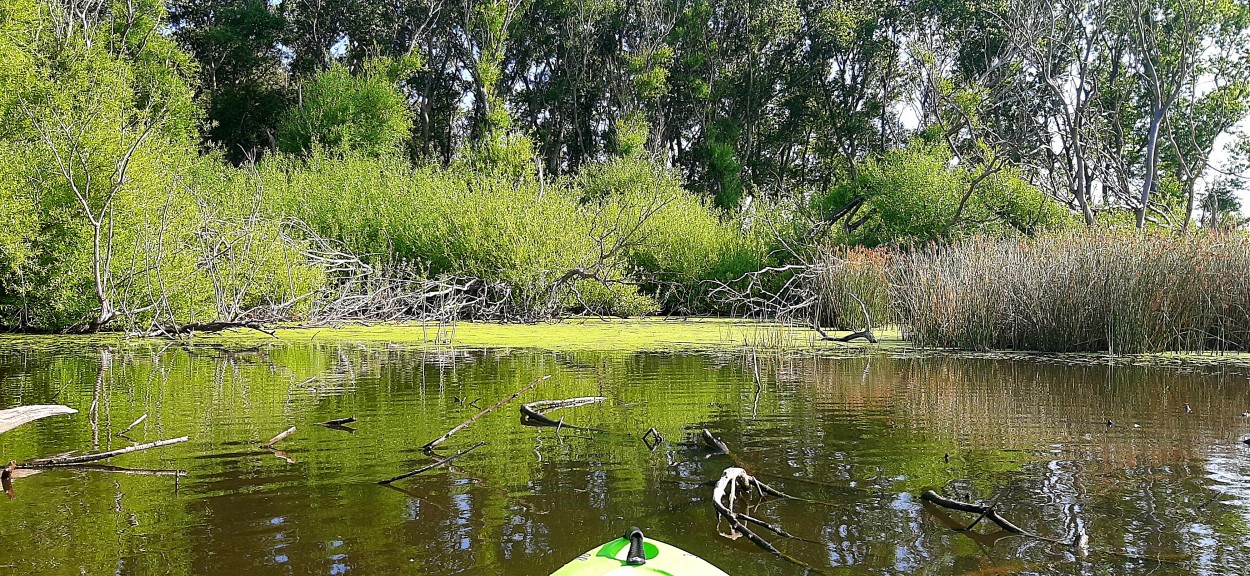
x: 242, y: 82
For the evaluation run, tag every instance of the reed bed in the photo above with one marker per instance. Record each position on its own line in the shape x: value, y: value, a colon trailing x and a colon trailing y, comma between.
x: 1098, y: 291
x: 849, y: 275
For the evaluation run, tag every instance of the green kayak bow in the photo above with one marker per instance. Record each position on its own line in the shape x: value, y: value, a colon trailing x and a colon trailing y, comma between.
x: 634, y: 556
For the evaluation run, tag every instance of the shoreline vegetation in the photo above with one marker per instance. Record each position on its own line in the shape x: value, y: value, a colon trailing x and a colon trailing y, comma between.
x: 684, y: 335
x: 129, y: 206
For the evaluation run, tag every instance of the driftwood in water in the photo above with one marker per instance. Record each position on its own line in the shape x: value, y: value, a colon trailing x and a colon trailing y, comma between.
x: 279, y: 437
x: 986, y: 512
x: 440, y: 462
x: 723, y: 497
x: 714, y: 443
x: 532, y: 413
x: 652, y: 438
x: 429, y: 447
x: 1080, y: 540
x: 85, y: 458
x: 133, y: 424
x: 338, y: 422
x: 14, y: 417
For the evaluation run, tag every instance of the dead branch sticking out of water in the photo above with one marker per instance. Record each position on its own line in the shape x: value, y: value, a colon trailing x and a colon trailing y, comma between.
x: 279, y: 437
x: 532, y: 413
x: 56, y: 461
x: 338, y: 422
x: 985, y: 512
x: 989, y: 513
x: 440, y: 462
x: 429, y: 447
x: 724, y: 496
x: 652, y: 438
x: 6, y: 479
x: 14, y: 417
x: 716, y: 444
x: 133, y: 424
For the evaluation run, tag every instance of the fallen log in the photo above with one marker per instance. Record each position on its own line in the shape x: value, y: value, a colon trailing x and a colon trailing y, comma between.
x: 173, y: 330
x: 83, y: 459
x: 429, y: 447
x: 441, y: 462
x: 104, y: 468
x: 544, y: 406
x: 14, y: 417
x: 279, y: 437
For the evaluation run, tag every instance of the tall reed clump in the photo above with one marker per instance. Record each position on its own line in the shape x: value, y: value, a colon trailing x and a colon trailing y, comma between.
x: 848, y: 276
x: 1098, y: 291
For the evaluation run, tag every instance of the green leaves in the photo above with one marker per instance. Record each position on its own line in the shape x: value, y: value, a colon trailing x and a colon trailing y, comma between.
x: 342, y: 112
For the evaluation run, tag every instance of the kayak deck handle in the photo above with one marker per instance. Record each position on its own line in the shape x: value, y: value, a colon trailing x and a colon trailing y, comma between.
x: 637, y: 556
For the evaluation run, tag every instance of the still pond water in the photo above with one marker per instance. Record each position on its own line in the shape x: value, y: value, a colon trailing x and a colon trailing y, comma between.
x: 1161, y: 491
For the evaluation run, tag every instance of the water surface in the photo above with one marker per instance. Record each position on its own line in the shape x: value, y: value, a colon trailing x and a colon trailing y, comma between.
x: 1158, y: 491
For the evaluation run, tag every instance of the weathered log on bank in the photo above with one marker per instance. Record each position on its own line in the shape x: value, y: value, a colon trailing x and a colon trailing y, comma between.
x: 14, y: 417
x: 174, y: 330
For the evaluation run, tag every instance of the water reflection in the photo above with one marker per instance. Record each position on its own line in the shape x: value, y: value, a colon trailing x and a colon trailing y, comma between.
x: 1160, y: 490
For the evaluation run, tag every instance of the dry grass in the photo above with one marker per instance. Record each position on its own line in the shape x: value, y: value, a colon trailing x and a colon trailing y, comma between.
x: 848, y: 273
x: 1079, y: 291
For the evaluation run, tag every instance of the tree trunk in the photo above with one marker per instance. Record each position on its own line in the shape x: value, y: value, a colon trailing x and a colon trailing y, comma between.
x: 1152, y: 161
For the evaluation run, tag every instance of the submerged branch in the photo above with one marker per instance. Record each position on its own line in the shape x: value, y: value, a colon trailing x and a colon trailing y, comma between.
x: 442, y: 462
x: 429, y: 447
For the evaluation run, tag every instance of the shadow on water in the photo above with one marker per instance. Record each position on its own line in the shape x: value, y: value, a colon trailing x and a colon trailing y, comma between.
x: 1064, y: 449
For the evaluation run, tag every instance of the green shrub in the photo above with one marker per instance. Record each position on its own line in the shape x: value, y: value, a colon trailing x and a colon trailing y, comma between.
x: 341, y: 111
x: 918, y: 194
